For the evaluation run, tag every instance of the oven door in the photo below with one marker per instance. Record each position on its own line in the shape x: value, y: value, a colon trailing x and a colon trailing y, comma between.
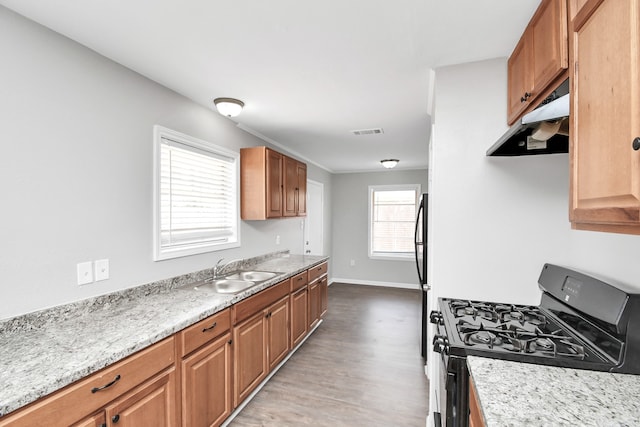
x: 452, y: 394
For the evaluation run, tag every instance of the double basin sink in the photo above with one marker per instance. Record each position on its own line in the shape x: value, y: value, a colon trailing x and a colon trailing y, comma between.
x: 233, y: 283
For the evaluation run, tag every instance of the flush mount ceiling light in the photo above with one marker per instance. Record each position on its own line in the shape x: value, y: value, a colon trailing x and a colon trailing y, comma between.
x: 229, y: 107
x: 389, y: 163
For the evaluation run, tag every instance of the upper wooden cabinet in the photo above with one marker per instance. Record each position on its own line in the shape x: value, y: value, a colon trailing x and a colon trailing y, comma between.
x: 272, y: 185
x: 539, y: 61
x: 261, y: 183
x: 295, y: 188
x: 605, y: 116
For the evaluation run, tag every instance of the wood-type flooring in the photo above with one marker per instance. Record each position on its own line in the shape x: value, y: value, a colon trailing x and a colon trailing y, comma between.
x: 361, y: 367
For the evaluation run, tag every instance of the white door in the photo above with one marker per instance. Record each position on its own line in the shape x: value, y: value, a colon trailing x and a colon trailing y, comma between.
x: 313, y: 225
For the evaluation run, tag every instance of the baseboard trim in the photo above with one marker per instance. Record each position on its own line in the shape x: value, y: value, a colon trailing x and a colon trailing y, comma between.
x: 376, y: 283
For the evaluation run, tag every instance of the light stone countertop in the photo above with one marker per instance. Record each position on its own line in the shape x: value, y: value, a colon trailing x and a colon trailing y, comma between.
x: 44, y: 351
x: 524, y: 394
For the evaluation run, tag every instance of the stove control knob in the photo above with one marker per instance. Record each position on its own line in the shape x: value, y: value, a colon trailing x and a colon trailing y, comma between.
x: 438, y: 343
x: 441, y: 344
x: 436, y: 318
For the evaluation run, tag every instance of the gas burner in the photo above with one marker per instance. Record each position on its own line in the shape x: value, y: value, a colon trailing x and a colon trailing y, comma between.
x: 483, y: 337
x: 544, y: 344
x: 461, y: 308
x: 522, y: 314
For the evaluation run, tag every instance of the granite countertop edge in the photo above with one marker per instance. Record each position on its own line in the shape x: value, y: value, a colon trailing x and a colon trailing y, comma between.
x: 515, y: 394
x: 43, y: 352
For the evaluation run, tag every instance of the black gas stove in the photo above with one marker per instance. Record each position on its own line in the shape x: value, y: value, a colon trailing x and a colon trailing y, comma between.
x: 581, y: 323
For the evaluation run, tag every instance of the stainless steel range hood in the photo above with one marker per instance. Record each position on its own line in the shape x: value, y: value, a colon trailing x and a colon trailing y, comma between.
x: 545, y: 130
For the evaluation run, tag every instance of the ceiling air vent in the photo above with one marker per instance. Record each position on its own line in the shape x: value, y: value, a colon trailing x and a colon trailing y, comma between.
x: 367, y: 131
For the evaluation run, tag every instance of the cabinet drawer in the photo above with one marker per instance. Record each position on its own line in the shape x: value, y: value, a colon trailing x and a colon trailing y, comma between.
x: 317, y: 271
x: 205, y: 330
x: 248, y: 307
x: 299, y: 280
x: 92, y: 393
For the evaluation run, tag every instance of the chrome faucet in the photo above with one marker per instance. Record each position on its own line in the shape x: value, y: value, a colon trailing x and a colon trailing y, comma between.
x: 218, y: 268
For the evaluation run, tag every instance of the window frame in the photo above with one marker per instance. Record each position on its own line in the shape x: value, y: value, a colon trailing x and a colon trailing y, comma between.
x: 161, y: 253
x: 389, y: 256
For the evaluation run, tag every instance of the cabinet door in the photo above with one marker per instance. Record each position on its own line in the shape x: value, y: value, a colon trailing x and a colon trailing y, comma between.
x: 520, y: 79
x: 249, y: 356
x: 206, y: 385
x: 278, y: 332
x: 299, y: 322
x: 324, y: 296
x: 274, y: 183
x: 605, y: 117
x: 302, y: 189
x: 314, y: 303
x: 152, y: 404
x: 549, y: 43
x: 290, y: 187
x: 95, y: 420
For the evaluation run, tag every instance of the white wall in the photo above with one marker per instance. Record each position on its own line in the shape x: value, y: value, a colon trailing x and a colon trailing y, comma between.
x: 350, y: 230
x: 496, y: 221
x: 76, y: 171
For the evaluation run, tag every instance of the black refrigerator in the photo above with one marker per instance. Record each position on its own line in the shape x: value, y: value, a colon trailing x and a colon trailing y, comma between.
x: 420, y: 240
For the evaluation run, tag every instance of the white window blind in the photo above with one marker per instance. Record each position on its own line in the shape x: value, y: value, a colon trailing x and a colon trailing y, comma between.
x: 196, y: 198
x: 392, y: 211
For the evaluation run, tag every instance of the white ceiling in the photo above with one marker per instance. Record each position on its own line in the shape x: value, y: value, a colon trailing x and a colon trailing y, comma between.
x: 309, y: 72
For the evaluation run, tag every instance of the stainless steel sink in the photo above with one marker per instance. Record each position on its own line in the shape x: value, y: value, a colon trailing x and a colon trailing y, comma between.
x: 254, y: 276
x: 226, y: 286
x: 233, y: 283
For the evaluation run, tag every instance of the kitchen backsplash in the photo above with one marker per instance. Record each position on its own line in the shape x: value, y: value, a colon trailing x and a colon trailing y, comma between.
x: 39, y: 319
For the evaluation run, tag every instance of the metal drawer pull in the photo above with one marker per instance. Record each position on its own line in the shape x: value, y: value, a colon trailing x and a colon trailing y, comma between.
x: 210, y: 327
x: 636, y: 144
x: 97, y: 389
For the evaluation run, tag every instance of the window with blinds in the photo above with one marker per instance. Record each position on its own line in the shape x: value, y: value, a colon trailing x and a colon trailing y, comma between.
x: 392, y: 216
x: 196, y: 196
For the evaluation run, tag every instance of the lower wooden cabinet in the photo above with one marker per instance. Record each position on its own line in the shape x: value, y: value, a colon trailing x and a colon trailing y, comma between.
x: 299, y: 312
x: 324, y: 296
x: 123, y: 389
x: 249, y: 356
x: 151, y: 404
x: 206, y: 384
x: 314, y: 303
x: 260, y: 343
x: 197, y: 377
x: 278, y: 344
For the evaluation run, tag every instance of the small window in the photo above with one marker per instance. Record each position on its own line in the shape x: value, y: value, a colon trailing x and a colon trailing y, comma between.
x: 392, y: 211
x: 195, y: 196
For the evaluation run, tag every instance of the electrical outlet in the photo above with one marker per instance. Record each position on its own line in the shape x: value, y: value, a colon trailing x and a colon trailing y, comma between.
x: 102, y: 269
x: 85, y: 273
x: 278, y: 239
x: 352, y: 263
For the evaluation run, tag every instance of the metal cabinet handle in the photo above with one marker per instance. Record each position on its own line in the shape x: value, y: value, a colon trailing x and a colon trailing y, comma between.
x: 210, y: 327
x: 115, y: 418
x: 525, y: 97
x: 636, y: 144
x: 97, y: 389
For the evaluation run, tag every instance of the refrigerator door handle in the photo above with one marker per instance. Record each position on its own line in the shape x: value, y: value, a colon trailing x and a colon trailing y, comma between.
x: 415, y: 240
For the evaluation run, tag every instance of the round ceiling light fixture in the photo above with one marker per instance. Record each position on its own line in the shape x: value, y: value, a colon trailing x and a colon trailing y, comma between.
x: 389, y: 163
x: 229, y: 107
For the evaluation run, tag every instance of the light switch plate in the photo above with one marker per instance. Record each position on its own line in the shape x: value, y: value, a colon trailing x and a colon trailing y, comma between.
x: 85, y: 273
x: 102, y: 269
